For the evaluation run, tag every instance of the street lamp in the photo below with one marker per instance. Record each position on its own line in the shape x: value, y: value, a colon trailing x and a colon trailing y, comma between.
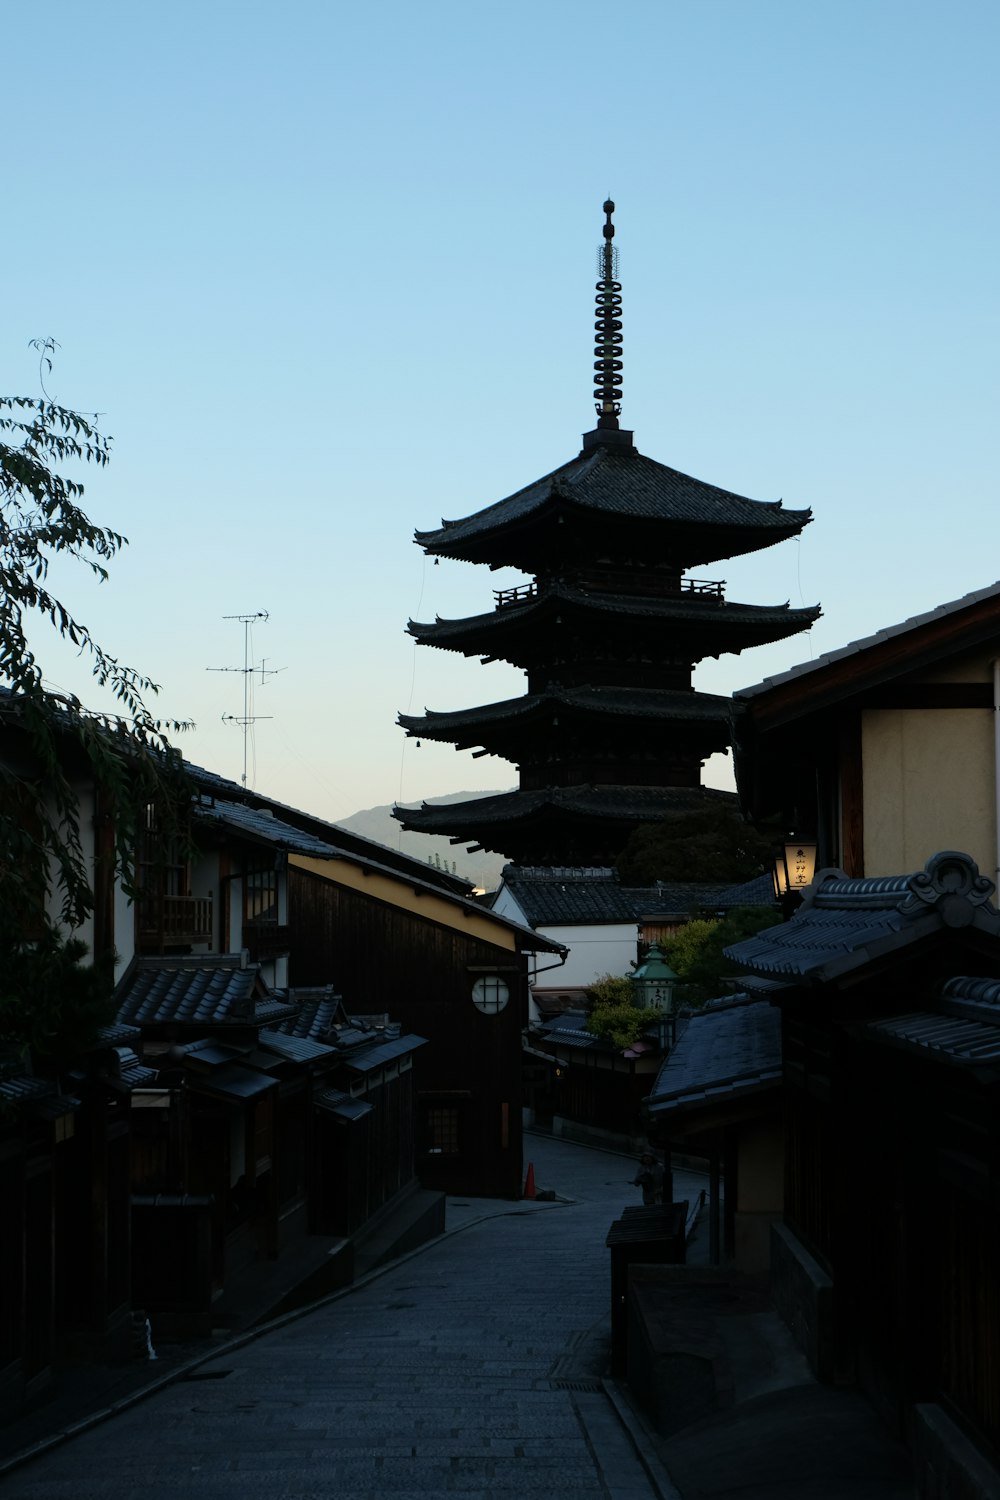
x: 653, y: 983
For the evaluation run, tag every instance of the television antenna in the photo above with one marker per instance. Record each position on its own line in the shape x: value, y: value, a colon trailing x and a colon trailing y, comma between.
x: 248, y: 718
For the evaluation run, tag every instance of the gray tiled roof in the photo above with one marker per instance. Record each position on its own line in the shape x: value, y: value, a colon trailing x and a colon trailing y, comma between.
x: 317, y: 1011
x: 362, y: 1059
x: 295, y: 1048
x: 733, y: 1047
x: 260, y: 824
x: 845, y: 924
x: 627, y: 484
x: 947, y: 1038
x: 199, y: 992
x: 864, y: 643
x: 555, y: 897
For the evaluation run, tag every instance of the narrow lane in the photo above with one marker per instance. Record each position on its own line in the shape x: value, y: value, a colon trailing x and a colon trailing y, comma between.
x: 470, y: 1369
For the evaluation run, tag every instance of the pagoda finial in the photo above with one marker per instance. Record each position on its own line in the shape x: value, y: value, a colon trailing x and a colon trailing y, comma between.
x: 608, y: 329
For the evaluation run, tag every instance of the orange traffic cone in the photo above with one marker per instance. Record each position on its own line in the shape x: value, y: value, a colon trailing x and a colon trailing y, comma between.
x: 529, y: 1182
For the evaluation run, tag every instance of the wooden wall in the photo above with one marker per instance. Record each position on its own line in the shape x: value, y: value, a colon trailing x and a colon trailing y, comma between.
x: 385, y: 959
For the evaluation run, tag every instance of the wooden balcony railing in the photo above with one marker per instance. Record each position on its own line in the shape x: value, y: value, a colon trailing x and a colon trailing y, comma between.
x: 713, y: 587
x: 169, y: 921
x: 609, y: 581
x: 519, y: 595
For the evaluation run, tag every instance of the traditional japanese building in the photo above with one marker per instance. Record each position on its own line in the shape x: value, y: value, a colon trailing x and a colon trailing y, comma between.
x: 611, y: 733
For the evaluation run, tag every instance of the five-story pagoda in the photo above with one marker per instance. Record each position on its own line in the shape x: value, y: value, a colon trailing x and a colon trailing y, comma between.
x: 611, y: 733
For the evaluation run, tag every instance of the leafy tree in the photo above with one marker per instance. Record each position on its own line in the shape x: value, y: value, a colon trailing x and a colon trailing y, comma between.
x: 713, y: 844
x: 50, y: 739
x: 696, y: 952
x: 613, y: 1011
x: 611, y: 989
x: 622, y: 1024
x: 52, y: 1003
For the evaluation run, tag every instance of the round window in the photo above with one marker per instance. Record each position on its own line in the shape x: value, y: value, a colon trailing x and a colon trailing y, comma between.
x: 490, y: 994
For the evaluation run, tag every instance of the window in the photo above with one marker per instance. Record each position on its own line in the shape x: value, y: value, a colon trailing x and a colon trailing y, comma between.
x: 440, y: 1129
x: 260, y: 895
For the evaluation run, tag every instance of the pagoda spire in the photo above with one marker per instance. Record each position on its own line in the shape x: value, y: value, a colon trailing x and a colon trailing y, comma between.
x: 608, y: 329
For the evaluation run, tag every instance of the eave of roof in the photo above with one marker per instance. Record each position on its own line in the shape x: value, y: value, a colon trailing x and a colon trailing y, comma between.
x: 615, y: 804
x: 887, y: 654
x: 627, y: 485
x: 718, y: 616
x: 663, y: 705
x: 847, y: 926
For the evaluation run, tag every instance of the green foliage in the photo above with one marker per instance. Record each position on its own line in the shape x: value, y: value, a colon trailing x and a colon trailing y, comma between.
x: 611, y: 989
x: 684, y: 950
x: 51, y: 742
x: 696, y: 952
x: 621, y: 1024
x: 51, y: 1002
x: 713, y: 844
x: 613, y: 1011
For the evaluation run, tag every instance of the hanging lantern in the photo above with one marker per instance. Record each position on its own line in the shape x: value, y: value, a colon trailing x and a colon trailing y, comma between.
x: 794, y: 868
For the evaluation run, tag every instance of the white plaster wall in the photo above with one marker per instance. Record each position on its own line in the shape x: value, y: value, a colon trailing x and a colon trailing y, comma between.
x: 928, y: 785
x: 594, y: 949
x: 506, y: 906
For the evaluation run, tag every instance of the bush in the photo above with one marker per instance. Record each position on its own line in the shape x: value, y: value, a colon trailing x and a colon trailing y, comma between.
x: 620, y: 1024
x: 696, y: 953
x: 611, y: 989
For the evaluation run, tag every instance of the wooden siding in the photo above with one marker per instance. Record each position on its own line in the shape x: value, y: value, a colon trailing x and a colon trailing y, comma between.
x: 393, y: 959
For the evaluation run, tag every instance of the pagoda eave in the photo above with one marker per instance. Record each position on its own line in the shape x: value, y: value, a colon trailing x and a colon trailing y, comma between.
x: 591, y: 824
x: 519, y: 633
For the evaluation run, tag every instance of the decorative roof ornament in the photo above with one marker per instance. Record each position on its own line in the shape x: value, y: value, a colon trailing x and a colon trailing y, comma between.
x: 608, y: 330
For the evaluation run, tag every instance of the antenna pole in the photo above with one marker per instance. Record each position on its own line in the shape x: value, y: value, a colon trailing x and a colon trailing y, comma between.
x: 247, y: 671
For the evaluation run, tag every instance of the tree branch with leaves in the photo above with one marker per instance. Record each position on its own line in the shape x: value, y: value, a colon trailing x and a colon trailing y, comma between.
x: 51, y: 738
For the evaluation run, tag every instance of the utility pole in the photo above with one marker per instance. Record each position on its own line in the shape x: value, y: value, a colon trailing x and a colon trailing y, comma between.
x: 247, y: 671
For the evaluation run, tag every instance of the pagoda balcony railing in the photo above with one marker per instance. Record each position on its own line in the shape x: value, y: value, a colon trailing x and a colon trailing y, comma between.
x: 713, y: 589
x: 519, y: 595
x: 167, y: 921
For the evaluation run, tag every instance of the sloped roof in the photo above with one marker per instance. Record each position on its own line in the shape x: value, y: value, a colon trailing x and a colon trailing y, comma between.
x: 620, y: 483
x: 296, y: 1048
x: 729, y: 1049
x: 317, y: 1011
x: 663, y: 704
x: 203, y: 991
x: 260, y: 824
x: 639, y: 804
x: 552, y: 897
x: 845, y: 925
x: 716, y: 623
x: 944, y: 621
x: 947, y: 1038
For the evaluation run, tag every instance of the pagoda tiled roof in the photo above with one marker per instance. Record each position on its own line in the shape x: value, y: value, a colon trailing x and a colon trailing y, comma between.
x: 716, y: 624
x: 663, y: 704
x: 612, y: 803
x: 622, y: 484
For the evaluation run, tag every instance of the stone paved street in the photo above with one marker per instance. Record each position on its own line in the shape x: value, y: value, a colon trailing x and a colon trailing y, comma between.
x: 471, y: 1368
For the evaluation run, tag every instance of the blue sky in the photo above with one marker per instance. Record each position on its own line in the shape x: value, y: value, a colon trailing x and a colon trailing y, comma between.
x: 327, y: 271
